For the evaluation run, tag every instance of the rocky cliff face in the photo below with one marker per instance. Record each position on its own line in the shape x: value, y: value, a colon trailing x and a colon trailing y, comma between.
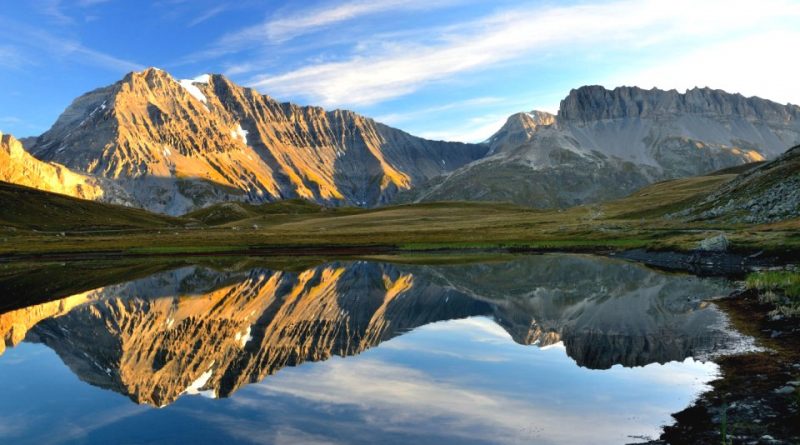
x: 605, y: 144
x: 594, y: 103
x: 178, y: 145
x: 19, y: 167
x: 199, y: 331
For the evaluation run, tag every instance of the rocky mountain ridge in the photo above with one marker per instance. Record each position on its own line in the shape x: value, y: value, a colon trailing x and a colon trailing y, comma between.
x: 177, y: 145
x: 172, y: 146
x: 604, y: 144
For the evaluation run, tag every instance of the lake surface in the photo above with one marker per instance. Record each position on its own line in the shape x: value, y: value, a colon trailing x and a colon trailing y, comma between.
x: 547, y: 349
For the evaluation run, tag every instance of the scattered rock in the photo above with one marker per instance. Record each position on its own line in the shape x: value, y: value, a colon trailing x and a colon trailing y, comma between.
x: 717, y: 243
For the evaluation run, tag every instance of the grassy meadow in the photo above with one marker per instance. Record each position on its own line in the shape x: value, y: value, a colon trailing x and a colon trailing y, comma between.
x: 46, y: 224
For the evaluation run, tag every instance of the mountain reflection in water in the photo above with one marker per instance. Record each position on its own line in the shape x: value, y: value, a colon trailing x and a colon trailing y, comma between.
x: 197, y: 330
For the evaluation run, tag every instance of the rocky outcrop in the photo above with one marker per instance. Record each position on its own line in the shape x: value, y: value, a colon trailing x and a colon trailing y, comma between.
x: 19, y: 167
x: 179, y: 145
x: 768, y: 193
x: 605, y: 144
x: 591, y: 103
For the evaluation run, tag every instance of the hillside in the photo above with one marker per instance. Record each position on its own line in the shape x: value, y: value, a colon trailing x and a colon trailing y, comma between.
x: 648, y: 218
x: 26, y: 208
x: 227, y: 212
x: 768, y: 193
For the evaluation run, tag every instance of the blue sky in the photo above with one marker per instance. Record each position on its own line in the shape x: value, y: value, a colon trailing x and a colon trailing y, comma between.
x: 444, y: 69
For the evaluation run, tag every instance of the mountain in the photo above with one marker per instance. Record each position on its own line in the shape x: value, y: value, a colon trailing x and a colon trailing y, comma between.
x: 767, y: 193
x: 19, y: 167
x: 196, y: 330
x: 604, y: 144
x: 178, y: 145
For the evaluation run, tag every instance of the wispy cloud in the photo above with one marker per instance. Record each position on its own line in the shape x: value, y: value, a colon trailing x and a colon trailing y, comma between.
x: 473, y: 129
x: 477, y: 102
x: 510, y: 37
x: 52, y: 9
x: 303, y: 22
x: 11, y: 57
x: 207, y: 15
x: 61, y: 47
x: 277, y: 29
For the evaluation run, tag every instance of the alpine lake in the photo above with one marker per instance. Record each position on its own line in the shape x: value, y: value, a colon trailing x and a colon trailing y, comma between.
x: 522, y: 349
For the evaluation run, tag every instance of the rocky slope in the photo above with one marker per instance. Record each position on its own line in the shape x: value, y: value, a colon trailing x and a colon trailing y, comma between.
x: 176, y: 145
x: 605, y: 144
x: 19, y: 167
x: 199, y: 331
x: 768, y: 193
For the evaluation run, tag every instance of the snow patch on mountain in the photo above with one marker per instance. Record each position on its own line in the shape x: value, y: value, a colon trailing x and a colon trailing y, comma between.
x: 191, y: 88
x: 239, y: 133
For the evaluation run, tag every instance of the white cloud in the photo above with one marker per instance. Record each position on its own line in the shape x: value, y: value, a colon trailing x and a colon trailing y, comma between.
x: 513, y: 36
x: 303, y: 22
x: 11, y: 57
x: 297, y: 23
x: 391, y: 397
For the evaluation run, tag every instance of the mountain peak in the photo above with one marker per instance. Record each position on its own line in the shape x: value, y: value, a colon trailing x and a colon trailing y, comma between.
x: 518, y: 129
x: 180, y: 144
x: 595, y: 102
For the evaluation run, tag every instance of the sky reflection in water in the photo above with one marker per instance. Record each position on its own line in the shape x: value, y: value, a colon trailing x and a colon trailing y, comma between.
x: 463, y: 380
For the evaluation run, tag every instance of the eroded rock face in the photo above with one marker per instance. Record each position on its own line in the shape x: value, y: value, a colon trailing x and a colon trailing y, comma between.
x: 593, y: 103
x: 19, y: 167
x: 179, y: 145
x: 605, y: 144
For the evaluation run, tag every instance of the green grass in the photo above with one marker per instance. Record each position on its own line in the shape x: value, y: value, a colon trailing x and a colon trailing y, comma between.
x: 26, y: 208
x: 785, y: 282
x: 39, y: 223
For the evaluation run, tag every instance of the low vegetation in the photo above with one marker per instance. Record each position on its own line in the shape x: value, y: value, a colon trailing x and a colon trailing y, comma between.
x: 37, y: 223
x: 779, y: 288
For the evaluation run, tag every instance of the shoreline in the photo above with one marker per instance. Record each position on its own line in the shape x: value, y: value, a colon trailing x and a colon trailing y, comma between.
x: 756, y: 399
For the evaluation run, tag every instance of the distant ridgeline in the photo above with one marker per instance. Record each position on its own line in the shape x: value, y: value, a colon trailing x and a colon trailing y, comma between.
x: 605, y: 144
x: 173, y: 146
